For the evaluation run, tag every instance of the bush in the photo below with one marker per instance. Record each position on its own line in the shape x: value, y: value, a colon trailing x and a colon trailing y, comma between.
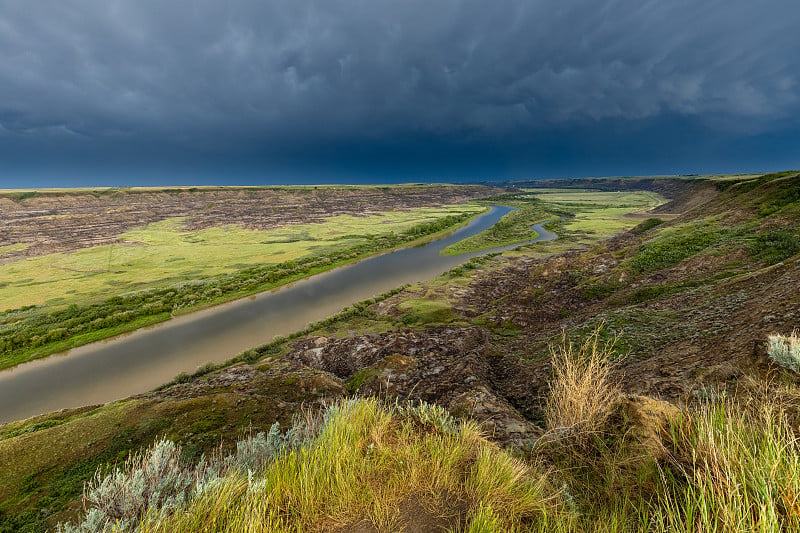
x: 153, y: 479
x: 254, y: 453
x: 785, y: 350
x: 156, y: 482
x: 647, y: 225
x: 775, y: 246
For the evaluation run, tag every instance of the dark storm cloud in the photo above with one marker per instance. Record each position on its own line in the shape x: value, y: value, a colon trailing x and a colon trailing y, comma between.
x: 298, y: 78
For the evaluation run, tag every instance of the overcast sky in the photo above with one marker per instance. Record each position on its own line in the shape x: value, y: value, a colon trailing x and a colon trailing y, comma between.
x: 112, y: 92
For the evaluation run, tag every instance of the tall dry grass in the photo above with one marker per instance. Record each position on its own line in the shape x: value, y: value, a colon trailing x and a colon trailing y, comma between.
x: 738, y: 470
x: 583, y: 388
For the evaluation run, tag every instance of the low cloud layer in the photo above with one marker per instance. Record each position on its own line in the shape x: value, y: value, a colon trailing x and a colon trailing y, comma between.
x: 282, y: 81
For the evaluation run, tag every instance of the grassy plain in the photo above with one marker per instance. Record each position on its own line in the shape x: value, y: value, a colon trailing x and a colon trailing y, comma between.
x: 589, y: 216
x: 164, y: 253
x: 32, y: 331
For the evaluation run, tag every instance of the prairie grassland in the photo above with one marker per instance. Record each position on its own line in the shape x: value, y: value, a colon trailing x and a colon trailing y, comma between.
x: 642, y: 199
x: 592, y: 216
x: 163, y: 253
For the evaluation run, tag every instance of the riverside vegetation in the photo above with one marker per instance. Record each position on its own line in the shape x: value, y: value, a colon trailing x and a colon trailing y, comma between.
x: 169, y: 270
x: 642, y: 382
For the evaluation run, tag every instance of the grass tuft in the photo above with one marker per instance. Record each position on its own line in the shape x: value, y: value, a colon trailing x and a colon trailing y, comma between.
x: 583, y: 390
x: 742, y: 471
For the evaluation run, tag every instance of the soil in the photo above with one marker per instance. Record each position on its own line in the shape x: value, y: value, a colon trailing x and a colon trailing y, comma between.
x: 421, y: 514
x: 455, y: 367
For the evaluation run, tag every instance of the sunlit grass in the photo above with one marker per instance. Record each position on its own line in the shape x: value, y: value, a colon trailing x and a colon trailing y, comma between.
x: 365, y: 464
x: 8, y: 248
x: 596, y: 215
x: 742, y: 468
x: 165, y: 252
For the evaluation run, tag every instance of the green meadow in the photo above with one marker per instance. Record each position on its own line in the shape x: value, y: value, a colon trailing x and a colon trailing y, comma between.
x: 165, y: 252
x: 589, y: 216
x: 60, y: 301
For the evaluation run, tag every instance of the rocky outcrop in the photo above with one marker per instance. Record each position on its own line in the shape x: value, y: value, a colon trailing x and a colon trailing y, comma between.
x: 449, y: 366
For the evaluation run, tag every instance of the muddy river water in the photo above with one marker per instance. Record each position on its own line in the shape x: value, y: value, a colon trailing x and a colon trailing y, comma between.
x: 141, y: 360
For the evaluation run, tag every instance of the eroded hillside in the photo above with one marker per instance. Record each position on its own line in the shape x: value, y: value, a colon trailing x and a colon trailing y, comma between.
x: 689, y: 301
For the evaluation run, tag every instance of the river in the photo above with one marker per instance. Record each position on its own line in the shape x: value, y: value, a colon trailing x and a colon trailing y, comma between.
x: 143, y: 359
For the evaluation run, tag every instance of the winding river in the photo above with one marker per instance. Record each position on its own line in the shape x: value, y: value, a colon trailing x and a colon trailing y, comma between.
x: 141, y: 360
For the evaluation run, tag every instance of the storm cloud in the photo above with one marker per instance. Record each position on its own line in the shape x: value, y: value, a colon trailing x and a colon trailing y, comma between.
x: 410, y: 89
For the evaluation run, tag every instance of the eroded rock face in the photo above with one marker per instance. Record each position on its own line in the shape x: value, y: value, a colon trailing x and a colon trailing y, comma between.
x: 272, y: 381
x: 450, y: 366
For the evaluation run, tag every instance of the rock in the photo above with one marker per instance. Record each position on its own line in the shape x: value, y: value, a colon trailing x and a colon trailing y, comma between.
x: 450, y: 366
x: 320, y: 341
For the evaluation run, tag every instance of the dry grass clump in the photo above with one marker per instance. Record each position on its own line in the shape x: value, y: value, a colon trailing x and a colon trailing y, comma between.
x: 367, y: 464
x: 583, y: 388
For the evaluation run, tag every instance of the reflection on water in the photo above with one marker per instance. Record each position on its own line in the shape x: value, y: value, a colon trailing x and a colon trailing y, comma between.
x: 143, y: 359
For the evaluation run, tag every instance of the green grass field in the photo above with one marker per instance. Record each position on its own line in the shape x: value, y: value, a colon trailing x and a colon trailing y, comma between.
x: 12, y: 248
x: 591, y: 216
x: 584, y: 197
x: 171, y: 270
x: 164, y: 252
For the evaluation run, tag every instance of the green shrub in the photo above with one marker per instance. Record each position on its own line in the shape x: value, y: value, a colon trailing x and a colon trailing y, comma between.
x: 599, y: 290
x: 667, y: 250
x: 156, y: 479
x: 775, y: 246
x: 647, y: 225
